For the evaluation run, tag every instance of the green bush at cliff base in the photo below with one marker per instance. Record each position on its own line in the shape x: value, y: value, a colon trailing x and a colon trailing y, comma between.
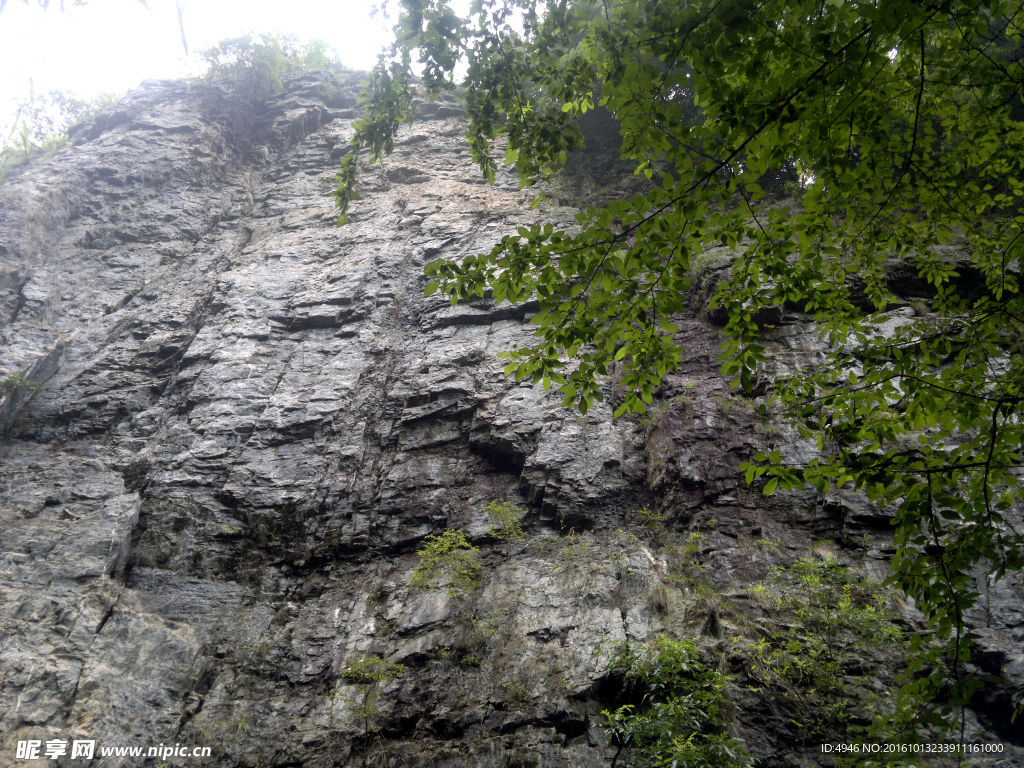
x: 447, y: 560
x: 901, y: 124
x: 680, y: 720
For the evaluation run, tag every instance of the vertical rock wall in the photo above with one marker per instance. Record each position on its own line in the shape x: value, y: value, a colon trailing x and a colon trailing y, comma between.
x: 250, y: 419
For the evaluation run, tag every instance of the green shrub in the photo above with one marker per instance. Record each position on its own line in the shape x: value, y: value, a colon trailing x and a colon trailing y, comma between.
x: 255, y: 66
x: 49, y: 116
x: 575, y: 547
x: 655, y: 522
x: 448, y: 560
x: 680, y: 721
x: 833, y: 618
x: 15, y: 382
x: 368, y: 672
x: 506, y: 523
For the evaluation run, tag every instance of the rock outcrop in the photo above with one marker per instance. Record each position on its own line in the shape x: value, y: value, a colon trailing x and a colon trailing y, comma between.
x: 251, y: 418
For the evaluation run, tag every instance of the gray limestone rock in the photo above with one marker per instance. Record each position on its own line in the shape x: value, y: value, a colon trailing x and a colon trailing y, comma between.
x: 251, y: 418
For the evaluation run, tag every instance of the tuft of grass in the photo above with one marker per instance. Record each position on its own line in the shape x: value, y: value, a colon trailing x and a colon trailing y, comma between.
x: 823, y: 549
x: 764, y: 596
x: 708, y: 599
x: 731, y: 406
x: 574, y: 548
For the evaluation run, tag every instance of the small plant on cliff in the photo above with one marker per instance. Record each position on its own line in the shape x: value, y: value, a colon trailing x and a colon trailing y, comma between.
x: 241, y: 726
x: 680, y: 717
x: 574, y: 549
x: 684, y: 557
x: 15, y: 382
x: 368, y: 673
x: 517, y: 692
x: 655, y: 522
x: 447, y: 559
x: 505, y: 525
x: 833, y: 618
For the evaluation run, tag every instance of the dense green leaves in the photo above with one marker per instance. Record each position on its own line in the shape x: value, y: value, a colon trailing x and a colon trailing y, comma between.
x: 679, y: 721
x: 447, y: 559
x: 903, y: 119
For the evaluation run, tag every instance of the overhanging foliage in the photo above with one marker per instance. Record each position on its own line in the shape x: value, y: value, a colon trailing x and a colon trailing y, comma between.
x: 903, y: 118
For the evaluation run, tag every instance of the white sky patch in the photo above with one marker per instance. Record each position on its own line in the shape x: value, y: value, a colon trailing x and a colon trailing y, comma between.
x: 113, y: 45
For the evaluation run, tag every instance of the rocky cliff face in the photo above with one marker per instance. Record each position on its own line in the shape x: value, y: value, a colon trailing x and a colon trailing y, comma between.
x: 250, y: 419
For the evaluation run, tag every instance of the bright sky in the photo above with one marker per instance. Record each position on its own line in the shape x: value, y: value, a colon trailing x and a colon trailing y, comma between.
x: 112, y: 45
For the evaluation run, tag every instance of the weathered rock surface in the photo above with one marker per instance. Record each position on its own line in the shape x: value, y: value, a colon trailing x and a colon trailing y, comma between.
x: 250, y: 419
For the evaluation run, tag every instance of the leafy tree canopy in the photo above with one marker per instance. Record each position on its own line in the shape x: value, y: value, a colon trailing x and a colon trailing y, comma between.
x: 254, y: 66
x: 903, y: 117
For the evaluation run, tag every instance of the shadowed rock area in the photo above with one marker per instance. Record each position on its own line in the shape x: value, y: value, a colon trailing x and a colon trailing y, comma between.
x: 250, y: 419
